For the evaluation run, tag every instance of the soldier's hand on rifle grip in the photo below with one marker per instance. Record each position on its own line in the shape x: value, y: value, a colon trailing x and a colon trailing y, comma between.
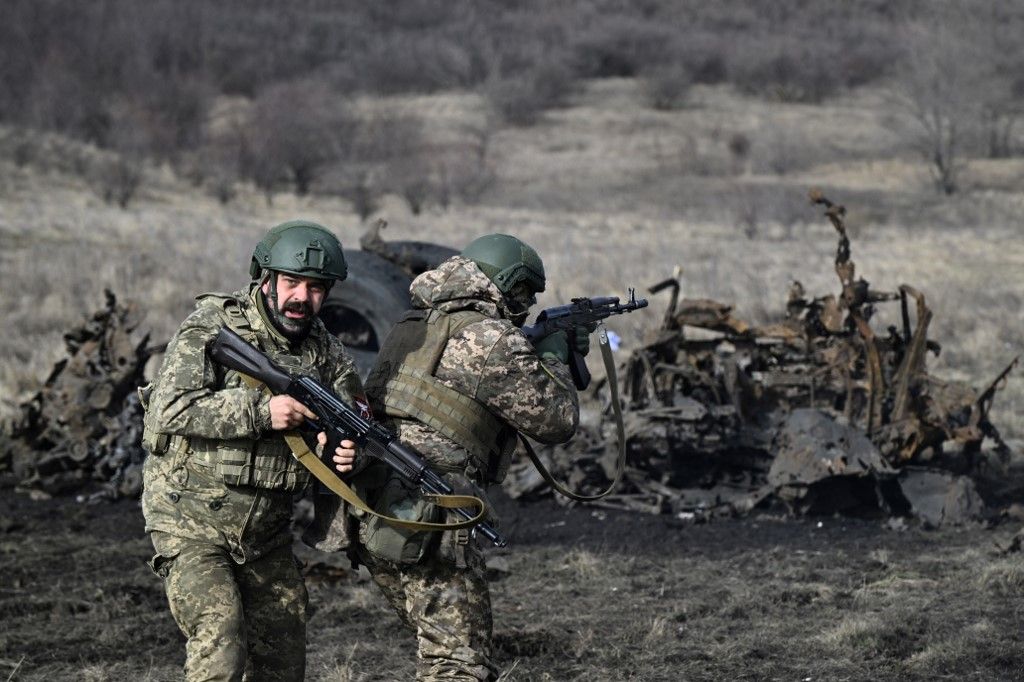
x: 344, y: 455
x: 581, y: 338
x: 554, y: 346
x: 287, y: 413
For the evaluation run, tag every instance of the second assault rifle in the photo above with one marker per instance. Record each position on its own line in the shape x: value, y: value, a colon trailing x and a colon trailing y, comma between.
x: 580, y: 312
x: 338, y: 420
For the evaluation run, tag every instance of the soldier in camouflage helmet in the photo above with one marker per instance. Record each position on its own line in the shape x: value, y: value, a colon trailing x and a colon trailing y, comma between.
x: 220, y: 480
x: 457, y: 379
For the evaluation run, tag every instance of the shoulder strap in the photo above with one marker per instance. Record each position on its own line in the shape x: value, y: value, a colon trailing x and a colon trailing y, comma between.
x: 323, y: 473
x: 620, y: 463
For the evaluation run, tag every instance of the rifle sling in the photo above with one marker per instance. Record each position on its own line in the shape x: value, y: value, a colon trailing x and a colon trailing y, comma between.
x: 620, y: 464
x: 323, y: 473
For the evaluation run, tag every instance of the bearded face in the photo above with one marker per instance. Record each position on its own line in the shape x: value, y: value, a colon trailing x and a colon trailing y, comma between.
x: 293, y: 301
x: 519, y: 300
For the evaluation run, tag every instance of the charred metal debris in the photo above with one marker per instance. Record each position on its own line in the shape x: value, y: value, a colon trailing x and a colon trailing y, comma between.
x: 83, y: 429
x: 818, y: 410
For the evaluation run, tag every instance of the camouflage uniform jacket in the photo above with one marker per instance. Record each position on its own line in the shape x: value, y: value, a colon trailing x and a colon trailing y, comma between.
x: 491, y: 362
x: 197, y: 402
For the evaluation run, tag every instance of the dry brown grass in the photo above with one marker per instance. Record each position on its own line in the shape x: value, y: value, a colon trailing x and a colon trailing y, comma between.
x: 601, y: 189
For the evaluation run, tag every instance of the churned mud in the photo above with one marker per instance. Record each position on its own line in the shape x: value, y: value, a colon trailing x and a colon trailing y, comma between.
x: 581, y: 594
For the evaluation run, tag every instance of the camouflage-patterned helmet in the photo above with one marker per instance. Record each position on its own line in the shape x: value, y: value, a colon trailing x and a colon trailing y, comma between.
x: 506, y: 261
x: 300, y: 247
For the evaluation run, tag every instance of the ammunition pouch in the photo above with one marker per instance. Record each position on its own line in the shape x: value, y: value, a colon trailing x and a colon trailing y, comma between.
x: 399, y: 545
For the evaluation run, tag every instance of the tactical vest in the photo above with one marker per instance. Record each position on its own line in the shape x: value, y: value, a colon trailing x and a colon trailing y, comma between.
x: 262, y: 463
x: 402, y: 386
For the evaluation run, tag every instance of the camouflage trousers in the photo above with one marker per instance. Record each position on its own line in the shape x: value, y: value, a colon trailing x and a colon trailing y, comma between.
x: 240, y: 619
x: 448, y: 607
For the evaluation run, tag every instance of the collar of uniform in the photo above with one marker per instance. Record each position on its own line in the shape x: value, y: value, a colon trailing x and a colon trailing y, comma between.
x: 262, y: 323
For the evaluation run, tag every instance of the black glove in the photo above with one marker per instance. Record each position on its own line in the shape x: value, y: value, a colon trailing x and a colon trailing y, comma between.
x: 581, y: 338
x: 554, y: 346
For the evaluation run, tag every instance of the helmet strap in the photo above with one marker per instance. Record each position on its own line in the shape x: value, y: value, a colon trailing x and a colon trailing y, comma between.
x: 271, y: 278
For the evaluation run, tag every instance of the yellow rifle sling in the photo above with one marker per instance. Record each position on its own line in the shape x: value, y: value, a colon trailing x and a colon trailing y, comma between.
x: 323, y: 473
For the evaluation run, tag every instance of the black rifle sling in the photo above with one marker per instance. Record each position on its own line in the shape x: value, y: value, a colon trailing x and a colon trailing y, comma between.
x: 620, y: 464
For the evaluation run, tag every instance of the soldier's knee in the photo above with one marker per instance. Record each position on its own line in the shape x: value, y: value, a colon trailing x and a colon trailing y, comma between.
x: 203, y: 595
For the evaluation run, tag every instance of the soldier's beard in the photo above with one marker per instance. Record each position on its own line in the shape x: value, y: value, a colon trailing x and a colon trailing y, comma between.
x: 517, y: 313
x: 292, y: 329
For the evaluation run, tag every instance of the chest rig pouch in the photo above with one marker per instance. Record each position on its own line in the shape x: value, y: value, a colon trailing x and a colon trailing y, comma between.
x: 402, y: 385
x: 264, y: 462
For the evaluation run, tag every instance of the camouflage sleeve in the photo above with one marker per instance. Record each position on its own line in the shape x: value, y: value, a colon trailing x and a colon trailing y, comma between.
x: 505, y: 374
x: 344, y: 378
x: 187, y: 398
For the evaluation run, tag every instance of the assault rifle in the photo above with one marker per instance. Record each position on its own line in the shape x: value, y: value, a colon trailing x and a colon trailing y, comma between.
x: 337, y: 419
x: 581, y: 312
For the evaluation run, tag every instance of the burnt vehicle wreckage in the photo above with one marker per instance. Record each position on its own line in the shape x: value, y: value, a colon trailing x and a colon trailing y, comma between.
x: 816, y: 411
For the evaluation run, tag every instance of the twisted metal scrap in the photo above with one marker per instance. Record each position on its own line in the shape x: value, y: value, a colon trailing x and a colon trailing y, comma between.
x: 708, y: 396
x: 85, y: 426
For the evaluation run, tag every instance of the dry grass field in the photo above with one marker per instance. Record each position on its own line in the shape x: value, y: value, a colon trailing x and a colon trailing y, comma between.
x: 613, y: 194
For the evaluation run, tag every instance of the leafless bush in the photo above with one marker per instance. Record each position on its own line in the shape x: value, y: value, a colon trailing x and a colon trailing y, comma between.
x: 297, y: 129
x: 118, y: 175
x: 1004, y: 104
x: 769, y: 211
x: 786, y: 69
x: 739, y: 149
x: 58, y: 99
x: 666, y: 86
x: 778, y: 151
x: 704, y: 54
x: 365, y: 198
x: 117, y: 178
x: 25, y: 150
x: 941, y: 87
x: 621, y: 45
x: 418, y: 62
x: 522, y: 98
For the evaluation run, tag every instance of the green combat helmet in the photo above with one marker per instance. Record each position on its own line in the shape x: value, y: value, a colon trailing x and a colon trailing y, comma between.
x: 300, y: 247
x: 506, y: 261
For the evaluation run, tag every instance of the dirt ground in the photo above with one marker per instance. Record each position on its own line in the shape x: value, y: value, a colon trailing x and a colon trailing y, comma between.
x: 581, y: 594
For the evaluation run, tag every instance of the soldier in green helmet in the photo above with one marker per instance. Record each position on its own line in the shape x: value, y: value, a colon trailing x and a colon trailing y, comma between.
x: 458, y: 380
x: 220, y: 480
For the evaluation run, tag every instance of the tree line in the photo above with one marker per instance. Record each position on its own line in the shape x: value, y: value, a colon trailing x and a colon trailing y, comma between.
x: 142, y: 79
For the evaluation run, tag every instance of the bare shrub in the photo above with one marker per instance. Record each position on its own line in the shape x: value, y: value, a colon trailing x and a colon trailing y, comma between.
x: 463, y: 177
x: 25, y: 150
x: 739, y: 149
x: 59, y: 99
x: 778, y: 151
x: 117, y: 178
x: 666, y: 86
x: 1003, y: 106
x: 178, y: 111
x: 297, y: 129
x: 768, y: 211
x: 365, y: 198
x: 621, y: 45
x: 704, y: 54
x: 786, y: 69
x: 222, y: 187
x: 392, y: 149
x: 417, y: 62
x: 522, y: 98
x: 941, y: 87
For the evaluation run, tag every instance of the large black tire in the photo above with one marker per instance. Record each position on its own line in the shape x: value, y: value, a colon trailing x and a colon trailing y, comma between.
x: 362, y: 309
x: 417, y: 257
